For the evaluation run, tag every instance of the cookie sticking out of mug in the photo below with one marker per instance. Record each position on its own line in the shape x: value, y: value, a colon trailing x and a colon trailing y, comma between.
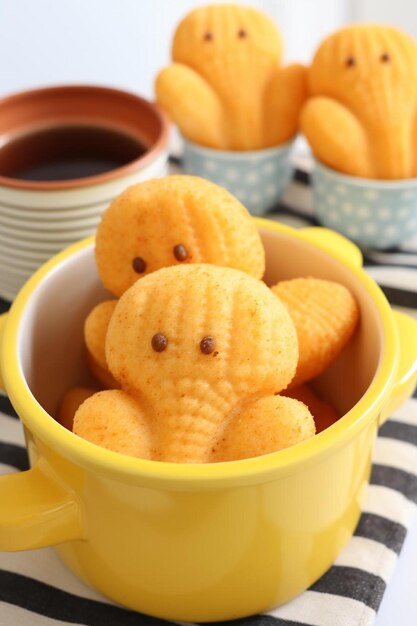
x: 361, y: 116
x: 226, y: 87
x: 325, y: 315
x: 195, y: 348
x: 176, y: 220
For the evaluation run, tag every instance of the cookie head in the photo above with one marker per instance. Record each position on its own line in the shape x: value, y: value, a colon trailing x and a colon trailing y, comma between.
x: 176, y: 220
x: 226, y: 43
x: 201, y: 326
x: 368, y: 68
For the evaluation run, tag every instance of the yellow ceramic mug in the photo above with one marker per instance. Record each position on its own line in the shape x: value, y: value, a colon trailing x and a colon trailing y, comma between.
x: 201, y: 542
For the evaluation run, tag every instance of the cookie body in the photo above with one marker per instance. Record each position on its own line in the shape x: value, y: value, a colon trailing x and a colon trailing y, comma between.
x: 193, y: 345
x: 226, y: 78
x: 363, y: 82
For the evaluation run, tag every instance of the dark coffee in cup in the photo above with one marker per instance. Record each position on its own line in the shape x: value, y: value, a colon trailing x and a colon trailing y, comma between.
x: 67, y: 152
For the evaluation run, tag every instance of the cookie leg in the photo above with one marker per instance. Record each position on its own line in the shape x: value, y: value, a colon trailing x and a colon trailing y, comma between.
x: 284, y: 97
x: 192, y: 105
x: 114, y: 420
x: 95, y: 330
x: 336, y: 136
x: 267, y: 425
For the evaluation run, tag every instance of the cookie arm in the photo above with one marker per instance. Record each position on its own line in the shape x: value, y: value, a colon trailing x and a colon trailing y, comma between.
x: 284, y: 97
x: 114, y: 420
x: 336, y: 136
x: 191, y: 104
x: 267, y: 425
x: 95, y: 330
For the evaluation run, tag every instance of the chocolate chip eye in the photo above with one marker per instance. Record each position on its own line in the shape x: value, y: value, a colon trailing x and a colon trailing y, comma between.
x: 159, y: 342
x: 207, y: 344
x: 385, y: 57
x: 241, y: 33
x: 350, y: 61
x: 180, y: 252
x: 208, y: 36
x: 139, y: 265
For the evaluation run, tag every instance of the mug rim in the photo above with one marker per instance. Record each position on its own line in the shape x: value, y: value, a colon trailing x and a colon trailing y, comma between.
x: 88, y: 181
x: 207, y: 475
x: 380, y: 184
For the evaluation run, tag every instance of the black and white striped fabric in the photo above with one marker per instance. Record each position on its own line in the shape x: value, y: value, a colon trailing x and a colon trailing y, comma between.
x: 37, y: 590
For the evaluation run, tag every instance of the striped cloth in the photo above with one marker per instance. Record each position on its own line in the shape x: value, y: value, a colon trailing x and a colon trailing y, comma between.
x: 37, y: 590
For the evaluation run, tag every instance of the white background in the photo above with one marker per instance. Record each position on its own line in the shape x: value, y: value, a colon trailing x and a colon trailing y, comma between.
x: 123, y: 43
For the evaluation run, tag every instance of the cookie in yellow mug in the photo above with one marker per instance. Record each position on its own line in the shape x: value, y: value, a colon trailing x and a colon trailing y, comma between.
x: 227, y: 87
x: 200, y: 352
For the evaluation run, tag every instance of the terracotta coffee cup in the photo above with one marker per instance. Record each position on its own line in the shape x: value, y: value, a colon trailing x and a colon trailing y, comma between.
x: 65, y: 153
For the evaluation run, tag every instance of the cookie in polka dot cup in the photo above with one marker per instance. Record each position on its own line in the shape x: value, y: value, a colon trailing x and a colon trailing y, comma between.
x: 376, y: 214
x: 233, y: 101
x: 359, y: 120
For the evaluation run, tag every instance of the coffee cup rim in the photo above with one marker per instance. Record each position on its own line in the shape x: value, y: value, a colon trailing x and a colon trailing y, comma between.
x: 24, y: 97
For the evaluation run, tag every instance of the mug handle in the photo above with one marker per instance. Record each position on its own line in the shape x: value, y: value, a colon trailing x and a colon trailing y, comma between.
x: 406, y: 379
x: 35, y: 509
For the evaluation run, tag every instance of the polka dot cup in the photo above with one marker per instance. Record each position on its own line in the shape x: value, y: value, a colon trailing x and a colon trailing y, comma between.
x: 256, y: 177
x: 374, y: 213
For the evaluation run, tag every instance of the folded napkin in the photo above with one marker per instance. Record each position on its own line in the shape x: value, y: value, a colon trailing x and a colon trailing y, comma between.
x: 37, y: 590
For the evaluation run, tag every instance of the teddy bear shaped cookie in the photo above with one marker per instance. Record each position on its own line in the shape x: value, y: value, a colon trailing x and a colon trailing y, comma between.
x: 361, y: 117
x: 226, y: 87
x: 199, y: 352
x: 176, y: 220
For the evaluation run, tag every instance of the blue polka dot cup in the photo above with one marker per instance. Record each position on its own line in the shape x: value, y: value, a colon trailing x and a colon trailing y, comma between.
x: 256, y: 177
x: 376, y: 214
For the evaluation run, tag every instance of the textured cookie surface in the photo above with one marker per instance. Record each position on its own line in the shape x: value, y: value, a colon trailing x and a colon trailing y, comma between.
x: 194, y: 346
x: 226, y: 85
x: 325, y: 315
x: 363, y: 82
x: 172, y: 221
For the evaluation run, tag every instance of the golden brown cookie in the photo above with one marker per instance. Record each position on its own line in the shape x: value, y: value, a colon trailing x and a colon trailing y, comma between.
x: 167, y: 221
x: 323, y: 412
x: 226, y: 87
x: 325, y: 315
x: 361, y: 116
x: 174, y: 220
x: 193, y: 346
